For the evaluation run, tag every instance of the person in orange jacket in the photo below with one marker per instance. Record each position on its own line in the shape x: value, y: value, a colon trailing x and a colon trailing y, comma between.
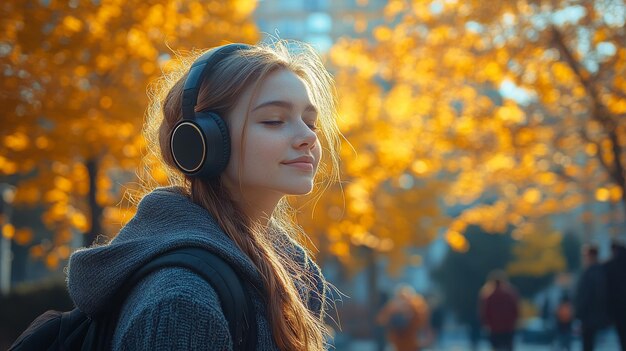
x: 404, y: 317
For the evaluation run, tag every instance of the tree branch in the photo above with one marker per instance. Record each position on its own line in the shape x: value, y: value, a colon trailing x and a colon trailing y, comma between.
x: 600, y: 112
x: 618, y: 175
x: 606, y: 166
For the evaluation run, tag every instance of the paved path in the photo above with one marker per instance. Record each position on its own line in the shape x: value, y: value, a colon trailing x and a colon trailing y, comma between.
x: 607, y: 342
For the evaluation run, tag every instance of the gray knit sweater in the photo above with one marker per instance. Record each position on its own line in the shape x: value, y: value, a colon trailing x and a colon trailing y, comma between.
x: 173, y: 309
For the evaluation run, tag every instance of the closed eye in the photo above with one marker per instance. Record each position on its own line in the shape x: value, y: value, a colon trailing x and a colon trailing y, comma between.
x: 272, y: 123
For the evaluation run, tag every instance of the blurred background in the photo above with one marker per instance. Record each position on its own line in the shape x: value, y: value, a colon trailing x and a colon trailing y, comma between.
x: 482, y: 135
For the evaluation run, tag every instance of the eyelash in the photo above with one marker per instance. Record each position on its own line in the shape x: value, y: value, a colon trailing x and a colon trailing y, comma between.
x: 313, y: 127
x: 273, y: 123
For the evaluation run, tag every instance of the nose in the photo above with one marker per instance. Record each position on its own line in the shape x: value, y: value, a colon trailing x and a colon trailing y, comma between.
x: 305, y: 137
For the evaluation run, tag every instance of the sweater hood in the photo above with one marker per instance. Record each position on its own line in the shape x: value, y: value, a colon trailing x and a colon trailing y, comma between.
x: 166, y: 219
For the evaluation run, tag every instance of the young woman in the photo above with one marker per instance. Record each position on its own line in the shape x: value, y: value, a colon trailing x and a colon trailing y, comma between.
x: 273, y: 106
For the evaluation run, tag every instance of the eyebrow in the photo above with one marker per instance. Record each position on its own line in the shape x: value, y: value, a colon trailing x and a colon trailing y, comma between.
x: 283, y: 104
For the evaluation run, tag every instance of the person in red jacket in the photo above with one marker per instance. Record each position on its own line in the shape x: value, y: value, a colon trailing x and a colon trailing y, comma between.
x: 616, y: 289
x: 499, y: 310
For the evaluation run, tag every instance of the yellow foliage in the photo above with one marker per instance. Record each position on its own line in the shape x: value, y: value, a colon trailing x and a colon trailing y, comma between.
x: 532, y: 196
x: 394, y: 7
x: 72, y: 23
x: 510, y: 113
x: 27, y: 194
x: 55, y: 196
x: 118, y: 216
x: 562, y: 73
x: 603, y: 194
x: 438, y: 35
x: 62, y: 183
x: 23, y: 236
x: 7, y: 167
x: 500, y: 162
x: 243, y: 8
x: 420, y: 167
x: 106, y: 102
x: 546, y: 178
x: 616, y: 105
x: 42, y: 142
x: 8, y: 231
x: 591, y: 149
x: 340, y: 249
x: 63, y: 252
x: 36, y: 251
x: 79, y: 221
x: 52, y: 261
x: 360, y: 23
x: 80, y: 71
x: 382, y: 33
x: 492, y: 72
x: 457, y: 241
x: 616, y: 193
x: 17, y: 141
x: 72, y: 84
x: 537, y: 252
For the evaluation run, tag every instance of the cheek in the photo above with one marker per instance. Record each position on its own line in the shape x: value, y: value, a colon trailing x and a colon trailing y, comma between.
x: 317, y: 151
x: 262, y: 150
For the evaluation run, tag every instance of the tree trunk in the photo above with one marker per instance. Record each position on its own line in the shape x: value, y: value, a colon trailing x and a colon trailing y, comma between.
x: 95, y: 210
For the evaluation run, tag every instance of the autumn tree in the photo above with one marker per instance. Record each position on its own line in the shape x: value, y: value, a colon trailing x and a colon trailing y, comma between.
x: 514, y: 108
x: 74, y: 94
x: 538, y: 254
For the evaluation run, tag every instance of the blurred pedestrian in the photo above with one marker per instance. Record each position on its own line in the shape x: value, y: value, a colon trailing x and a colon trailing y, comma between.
x: 475, y: 332
x: 379, y: 330
x: 548, y: 321
x: 405, y: 317
x: 615, y: 269
x: 499, y: 310
x: 591, y: 298
x: 564, y: 317
x: 437, y: 318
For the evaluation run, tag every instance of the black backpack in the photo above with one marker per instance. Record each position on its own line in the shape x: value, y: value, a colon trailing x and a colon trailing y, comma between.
x: 73, y: 330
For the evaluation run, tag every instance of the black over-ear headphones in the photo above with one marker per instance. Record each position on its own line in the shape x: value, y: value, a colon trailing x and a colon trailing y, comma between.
x: 200, y: 142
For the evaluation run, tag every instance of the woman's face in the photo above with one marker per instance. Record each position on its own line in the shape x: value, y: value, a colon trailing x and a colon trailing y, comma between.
x: 278, y: 153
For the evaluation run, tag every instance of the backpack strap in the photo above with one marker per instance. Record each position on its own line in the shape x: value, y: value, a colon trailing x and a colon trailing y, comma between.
x: 235, y: 302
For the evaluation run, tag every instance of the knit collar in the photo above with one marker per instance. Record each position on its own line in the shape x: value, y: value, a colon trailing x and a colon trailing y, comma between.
x: 165, y: 219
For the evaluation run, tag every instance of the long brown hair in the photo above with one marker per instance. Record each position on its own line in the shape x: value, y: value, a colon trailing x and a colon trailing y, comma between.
x: 294, y: 326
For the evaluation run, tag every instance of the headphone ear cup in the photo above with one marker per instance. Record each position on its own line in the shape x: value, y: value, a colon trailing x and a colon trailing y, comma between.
x: 201, y: 147
x: 218, y: 145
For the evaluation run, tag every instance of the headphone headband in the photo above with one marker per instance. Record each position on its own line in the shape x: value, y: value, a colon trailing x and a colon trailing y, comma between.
x: 199, y: 69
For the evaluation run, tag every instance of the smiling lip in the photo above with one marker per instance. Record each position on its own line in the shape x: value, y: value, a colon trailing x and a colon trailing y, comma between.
x: 304, y: 163
x: 305, y: 166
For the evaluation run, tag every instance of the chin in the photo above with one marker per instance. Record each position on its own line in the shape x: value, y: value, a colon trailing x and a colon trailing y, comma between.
x: 299, y: 189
